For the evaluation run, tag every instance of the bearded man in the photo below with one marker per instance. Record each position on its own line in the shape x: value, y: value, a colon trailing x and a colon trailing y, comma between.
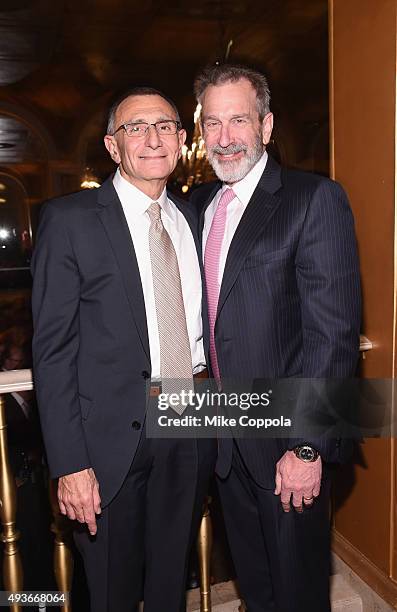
x: 283, y: 291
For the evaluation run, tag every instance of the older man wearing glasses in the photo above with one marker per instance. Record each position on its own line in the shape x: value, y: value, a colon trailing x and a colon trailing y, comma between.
x: 117, y: 305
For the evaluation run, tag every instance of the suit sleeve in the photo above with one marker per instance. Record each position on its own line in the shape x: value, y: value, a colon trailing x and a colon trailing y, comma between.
x: 55, y: 304
x: 328, y: 281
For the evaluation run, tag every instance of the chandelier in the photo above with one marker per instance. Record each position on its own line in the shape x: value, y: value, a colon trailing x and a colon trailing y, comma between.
x: 89, y: 180
x: 194, y: 167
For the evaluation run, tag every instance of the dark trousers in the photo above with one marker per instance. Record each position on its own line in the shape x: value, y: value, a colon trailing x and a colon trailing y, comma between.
x: 141, y: 550
x: 36, y: 543
x: 282, y: 560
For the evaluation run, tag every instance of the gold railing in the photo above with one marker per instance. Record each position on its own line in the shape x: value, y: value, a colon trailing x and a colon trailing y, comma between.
x: 12, y: 566
x: 21, y: 380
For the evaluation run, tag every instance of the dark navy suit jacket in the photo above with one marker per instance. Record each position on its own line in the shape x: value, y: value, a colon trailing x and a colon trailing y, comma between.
x: 289, y: 303
x: 90, y: 347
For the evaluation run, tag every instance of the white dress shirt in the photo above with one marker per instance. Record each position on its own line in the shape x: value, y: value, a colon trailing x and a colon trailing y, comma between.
x: 243, y: 192
x: 135, y: 204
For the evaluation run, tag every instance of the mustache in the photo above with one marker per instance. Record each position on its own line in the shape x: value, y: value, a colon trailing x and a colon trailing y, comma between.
x: 229, y: 150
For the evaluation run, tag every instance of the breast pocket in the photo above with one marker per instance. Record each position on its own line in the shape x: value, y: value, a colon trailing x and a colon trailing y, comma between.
x: 260, y: 259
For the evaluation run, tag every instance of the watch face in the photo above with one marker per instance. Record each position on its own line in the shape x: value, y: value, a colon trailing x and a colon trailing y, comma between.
x: 306, y: 453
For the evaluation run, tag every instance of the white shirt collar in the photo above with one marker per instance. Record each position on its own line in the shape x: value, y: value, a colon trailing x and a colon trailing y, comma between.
x: 137, y: 201
x: 246, y: 187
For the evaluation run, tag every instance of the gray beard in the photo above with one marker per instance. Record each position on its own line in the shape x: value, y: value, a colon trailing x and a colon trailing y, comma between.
x: 233, y: 171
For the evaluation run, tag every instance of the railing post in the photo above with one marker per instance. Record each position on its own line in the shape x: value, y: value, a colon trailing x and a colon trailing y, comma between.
x: 204, y: 546
x: 12, y: 566
x: 63, y: 557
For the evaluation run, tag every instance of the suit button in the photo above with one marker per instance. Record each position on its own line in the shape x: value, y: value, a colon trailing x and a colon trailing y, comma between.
x: 145, y: 374
x: 136, y: 425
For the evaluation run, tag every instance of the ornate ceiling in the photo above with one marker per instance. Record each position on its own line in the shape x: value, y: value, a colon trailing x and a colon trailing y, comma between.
x: 63, y: 60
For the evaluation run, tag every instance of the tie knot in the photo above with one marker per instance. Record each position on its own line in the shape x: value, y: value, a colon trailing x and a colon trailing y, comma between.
x: 226, y: 197
x: 154, y: 212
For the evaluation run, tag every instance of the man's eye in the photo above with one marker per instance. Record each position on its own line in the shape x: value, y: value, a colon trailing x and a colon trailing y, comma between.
x: 135, y: 128
x: 165, y: 127
x: 239, y: 121
x: 210, y: 125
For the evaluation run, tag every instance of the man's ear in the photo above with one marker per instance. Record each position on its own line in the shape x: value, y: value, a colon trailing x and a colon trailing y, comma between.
x: 267, y: 127
x: 111, y: 145
x: 181, y: 139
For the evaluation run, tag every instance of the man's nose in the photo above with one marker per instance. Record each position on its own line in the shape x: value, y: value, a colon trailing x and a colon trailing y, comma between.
x: 224, y: 136
x: 153, y: 140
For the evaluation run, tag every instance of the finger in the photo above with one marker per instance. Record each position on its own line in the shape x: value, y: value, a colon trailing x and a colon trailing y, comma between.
x: 79, y: 514
x: 316, y: 489
x: 285, y: 500
x: 89, y: 515
x: 70, y: 512
x: 297, y: 501
x: 308, y: 497
x: 97, y: 501
x: 277, y: 490
x: 92, y: 528
x: 61, y: 503
x: 285, y: 496
x: 89, y: 518
x: 75, y: 510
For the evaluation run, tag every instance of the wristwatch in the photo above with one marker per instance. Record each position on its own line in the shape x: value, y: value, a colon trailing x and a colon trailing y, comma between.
x: 306, y: 453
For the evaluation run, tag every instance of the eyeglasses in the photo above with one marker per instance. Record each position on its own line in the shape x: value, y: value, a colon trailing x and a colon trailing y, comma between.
x: 167, y: 127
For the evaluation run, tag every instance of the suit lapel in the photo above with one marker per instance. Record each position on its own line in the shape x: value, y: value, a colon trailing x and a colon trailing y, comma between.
x: 115, y: 225
x: 258, y: 213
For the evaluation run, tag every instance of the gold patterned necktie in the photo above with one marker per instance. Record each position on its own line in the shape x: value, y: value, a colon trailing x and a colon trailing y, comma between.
x: 175, y: 354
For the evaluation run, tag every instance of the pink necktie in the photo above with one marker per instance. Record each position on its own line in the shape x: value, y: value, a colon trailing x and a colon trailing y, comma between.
x: 211, y: 269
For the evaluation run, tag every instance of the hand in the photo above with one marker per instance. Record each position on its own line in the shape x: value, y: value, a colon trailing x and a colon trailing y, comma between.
x: 78, y: 497
x: 299, y: 479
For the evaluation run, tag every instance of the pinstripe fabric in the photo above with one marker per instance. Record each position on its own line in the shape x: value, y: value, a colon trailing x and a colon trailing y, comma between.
x: 211, y: 269
x: 289, y: 306
x: 290, y: 302
x: 175, y: 355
